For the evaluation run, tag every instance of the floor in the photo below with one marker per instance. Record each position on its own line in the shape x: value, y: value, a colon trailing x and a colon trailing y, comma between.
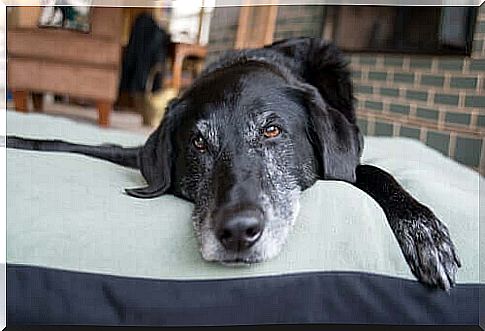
x: 120, y: 119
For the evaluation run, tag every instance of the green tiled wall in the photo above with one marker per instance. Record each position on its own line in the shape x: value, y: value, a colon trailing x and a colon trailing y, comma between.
x: 439, y: 100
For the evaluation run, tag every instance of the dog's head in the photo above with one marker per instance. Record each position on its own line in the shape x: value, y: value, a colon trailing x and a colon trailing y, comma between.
x: 250, y: 134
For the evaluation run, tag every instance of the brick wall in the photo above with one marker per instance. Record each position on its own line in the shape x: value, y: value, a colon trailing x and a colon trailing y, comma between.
x: 295, y: 21
x: 223, y: 29
x: 291, y: 21
x: 439, y: 100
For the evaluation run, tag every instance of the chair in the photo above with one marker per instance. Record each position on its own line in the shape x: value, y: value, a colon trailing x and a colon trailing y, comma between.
x: 84, y: 65
x: 179, y: 52
x: 176, y: 78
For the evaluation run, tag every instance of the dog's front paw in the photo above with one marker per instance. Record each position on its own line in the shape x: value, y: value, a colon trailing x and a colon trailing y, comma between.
x: 428, y: 249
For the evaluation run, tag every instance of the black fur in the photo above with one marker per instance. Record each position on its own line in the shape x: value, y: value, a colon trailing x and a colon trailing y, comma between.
x: 127, y: 157
x: 303, y: 87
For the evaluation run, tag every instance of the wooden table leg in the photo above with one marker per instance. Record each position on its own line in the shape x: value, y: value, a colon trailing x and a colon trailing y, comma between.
x: 178, y: 62
x: 38, y: 102
x: 20, y: 101
x: 104, y: 110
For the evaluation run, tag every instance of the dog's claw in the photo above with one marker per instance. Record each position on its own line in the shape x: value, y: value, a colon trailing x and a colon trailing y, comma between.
x: 429, y: 251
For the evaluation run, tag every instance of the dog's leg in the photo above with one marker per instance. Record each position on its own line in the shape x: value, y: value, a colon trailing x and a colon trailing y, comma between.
x: 127, y: 157
x: 424, y: 239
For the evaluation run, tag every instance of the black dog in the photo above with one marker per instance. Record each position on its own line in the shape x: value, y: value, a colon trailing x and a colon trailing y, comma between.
x: 254, y: 130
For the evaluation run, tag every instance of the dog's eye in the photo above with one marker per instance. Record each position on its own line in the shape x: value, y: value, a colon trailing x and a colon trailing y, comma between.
x: 199, y: 143
x: 272, y: 131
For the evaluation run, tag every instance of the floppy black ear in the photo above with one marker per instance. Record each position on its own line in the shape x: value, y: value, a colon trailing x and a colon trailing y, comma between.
x: 155, y: 158
x: 337, y: 141
x: 322, y: 65
x: 324, y: 82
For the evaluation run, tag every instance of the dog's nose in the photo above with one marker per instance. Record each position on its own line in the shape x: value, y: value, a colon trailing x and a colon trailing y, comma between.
x: 240, y: 232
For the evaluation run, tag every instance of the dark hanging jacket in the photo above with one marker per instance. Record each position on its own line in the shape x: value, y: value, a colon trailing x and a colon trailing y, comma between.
x: 148, y: 45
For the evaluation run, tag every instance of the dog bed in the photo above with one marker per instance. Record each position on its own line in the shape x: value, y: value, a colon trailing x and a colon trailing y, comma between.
x: 80, y: 251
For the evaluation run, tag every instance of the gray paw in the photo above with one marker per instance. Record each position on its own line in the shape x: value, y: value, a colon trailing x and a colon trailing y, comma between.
x: 428, y: 249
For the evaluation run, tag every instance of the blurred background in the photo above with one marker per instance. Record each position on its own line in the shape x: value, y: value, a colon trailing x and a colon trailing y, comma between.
x: 418, y: 72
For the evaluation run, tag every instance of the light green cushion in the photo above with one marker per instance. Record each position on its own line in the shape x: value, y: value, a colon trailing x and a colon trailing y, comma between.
x: 69, y: 211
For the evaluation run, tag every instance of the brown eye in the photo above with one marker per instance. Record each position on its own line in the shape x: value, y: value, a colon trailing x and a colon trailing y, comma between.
x: 272, y: 131
x: 199, y: 143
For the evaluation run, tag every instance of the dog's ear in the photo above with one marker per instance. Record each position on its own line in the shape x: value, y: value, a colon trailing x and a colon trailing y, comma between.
x: 155, y: 158
x: 325, y: 85
x: 322, y: 65
x: 337, y: 142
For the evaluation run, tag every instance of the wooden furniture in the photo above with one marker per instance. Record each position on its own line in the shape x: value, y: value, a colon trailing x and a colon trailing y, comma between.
x: 175, y: 79
x: 256, y: 25
x: 77, y: 64
x: 180, y: 52
x: 184, y: 63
